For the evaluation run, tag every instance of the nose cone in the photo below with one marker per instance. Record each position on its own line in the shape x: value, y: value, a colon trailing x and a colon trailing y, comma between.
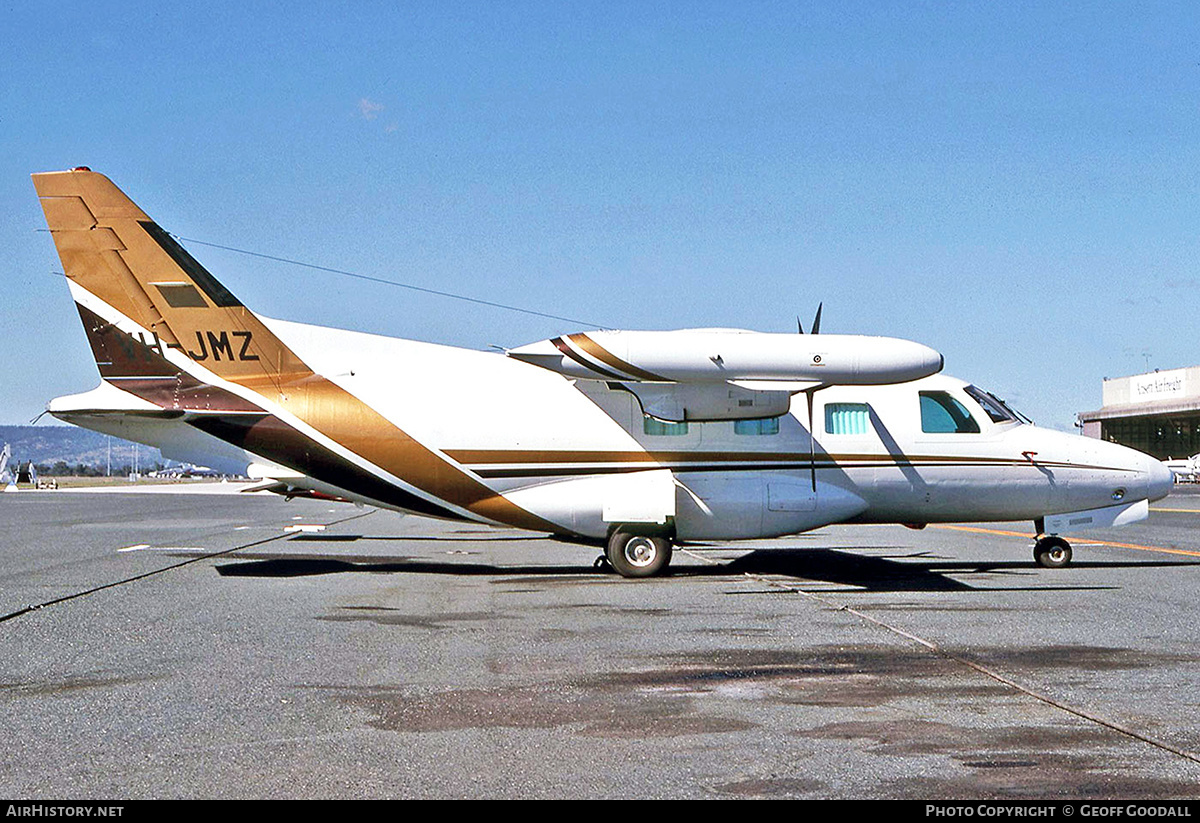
x: 891, y: 360
x: 1161, y: 480
x: 935, y: 361
x: 1109, y: 472
x: 924, y: 360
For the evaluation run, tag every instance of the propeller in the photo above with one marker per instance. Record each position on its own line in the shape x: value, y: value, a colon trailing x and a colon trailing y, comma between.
x: 816, y: 326
x: 812, y: 440
x: 808, y: 395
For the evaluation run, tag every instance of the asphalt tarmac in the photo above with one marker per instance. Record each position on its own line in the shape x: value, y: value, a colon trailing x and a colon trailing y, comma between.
x: 179, y: 646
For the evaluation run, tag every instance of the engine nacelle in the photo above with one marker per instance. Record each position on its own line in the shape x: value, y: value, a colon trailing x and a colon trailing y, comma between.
x: 703, y: 402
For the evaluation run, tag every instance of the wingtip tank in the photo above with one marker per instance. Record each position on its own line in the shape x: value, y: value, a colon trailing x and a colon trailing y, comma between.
x: 722, y: 355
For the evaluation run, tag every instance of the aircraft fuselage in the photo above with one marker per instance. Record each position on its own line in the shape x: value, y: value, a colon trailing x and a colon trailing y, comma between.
x: 563, y: 449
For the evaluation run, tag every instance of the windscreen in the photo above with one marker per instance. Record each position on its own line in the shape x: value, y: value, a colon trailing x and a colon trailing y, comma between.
x: 996, y: 409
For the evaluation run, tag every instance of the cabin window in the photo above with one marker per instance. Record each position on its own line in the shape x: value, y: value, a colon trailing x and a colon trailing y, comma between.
x: 661, y: 428
x: 847, y: 418
x: 942, y: 414
x: 768, y: 425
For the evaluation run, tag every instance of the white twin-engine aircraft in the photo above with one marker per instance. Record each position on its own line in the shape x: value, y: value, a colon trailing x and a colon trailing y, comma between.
x: 632, y: 439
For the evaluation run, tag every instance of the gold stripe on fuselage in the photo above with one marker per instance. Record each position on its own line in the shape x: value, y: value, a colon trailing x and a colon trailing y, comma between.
x: 348, y: 421
x: 655, y: 458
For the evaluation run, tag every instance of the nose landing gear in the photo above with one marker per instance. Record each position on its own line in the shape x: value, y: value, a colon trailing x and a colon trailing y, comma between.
x: 1051, y: 552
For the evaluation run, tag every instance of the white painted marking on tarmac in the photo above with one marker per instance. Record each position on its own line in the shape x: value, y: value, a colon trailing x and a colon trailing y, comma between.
x: 305, y: 527
x: 169, y: 488
x: 146, y: 547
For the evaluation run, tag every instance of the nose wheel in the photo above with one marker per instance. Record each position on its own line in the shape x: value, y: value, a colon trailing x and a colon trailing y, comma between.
x: 1052, y: 552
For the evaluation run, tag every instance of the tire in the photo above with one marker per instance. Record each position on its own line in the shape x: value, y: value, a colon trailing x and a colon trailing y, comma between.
x: 638, y: 555
x: 1052, y: 553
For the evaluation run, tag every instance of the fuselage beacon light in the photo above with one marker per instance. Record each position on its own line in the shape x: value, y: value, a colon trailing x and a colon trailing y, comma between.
x: 634, y: 440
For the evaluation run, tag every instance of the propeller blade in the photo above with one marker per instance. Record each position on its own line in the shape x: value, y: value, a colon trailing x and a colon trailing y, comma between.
x: 799, y: 325
x: 817, y: 321
x: 812, y: 440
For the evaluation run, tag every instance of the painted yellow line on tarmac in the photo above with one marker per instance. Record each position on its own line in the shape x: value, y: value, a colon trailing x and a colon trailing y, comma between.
x: 1029, y: 536
x: 1168, y: 509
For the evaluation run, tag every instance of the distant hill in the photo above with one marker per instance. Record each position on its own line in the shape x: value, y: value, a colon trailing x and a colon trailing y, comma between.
x: 47, y: 445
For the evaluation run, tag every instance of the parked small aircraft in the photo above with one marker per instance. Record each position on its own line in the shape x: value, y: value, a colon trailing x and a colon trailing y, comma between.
x: 1185, y: 470
x: 633, y: 439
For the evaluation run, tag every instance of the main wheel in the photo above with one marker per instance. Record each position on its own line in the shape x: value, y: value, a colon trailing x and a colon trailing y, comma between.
x: 638, y: 555
x: 1052, y: 552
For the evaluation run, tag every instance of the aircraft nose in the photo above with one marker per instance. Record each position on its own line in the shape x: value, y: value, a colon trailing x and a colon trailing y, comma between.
x: 1160, y: 481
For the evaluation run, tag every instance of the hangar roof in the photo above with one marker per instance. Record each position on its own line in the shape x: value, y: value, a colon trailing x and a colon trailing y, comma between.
x: 1156, y: 393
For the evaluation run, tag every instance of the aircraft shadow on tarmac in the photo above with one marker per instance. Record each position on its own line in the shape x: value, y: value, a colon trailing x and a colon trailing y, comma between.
x: 350, y: 538
x: 911, y: 572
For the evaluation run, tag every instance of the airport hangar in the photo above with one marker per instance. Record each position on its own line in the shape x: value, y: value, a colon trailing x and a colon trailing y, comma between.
x: 1157, y: 413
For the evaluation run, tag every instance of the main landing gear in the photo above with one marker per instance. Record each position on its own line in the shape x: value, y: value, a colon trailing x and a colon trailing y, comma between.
x: 1051, y: 552
x: 637, y: 555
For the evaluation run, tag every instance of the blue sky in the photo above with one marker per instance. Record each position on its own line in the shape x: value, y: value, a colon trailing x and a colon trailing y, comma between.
x: 1014, y: 184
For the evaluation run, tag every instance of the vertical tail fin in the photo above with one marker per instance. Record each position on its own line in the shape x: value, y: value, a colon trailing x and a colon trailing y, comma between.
x: 112, y: 250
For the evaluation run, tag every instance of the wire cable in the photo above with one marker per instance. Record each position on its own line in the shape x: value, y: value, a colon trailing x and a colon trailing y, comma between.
x: 386, y: 282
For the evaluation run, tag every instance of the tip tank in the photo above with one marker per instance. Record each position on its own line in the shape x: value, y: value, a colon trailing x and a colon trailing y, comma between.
x: 715, y: 355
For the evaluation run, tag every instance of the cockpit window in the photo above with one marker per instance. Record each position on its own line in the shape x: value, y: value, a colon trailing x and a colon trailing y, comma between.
x: 997, y: 409
x: 942, y: 414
